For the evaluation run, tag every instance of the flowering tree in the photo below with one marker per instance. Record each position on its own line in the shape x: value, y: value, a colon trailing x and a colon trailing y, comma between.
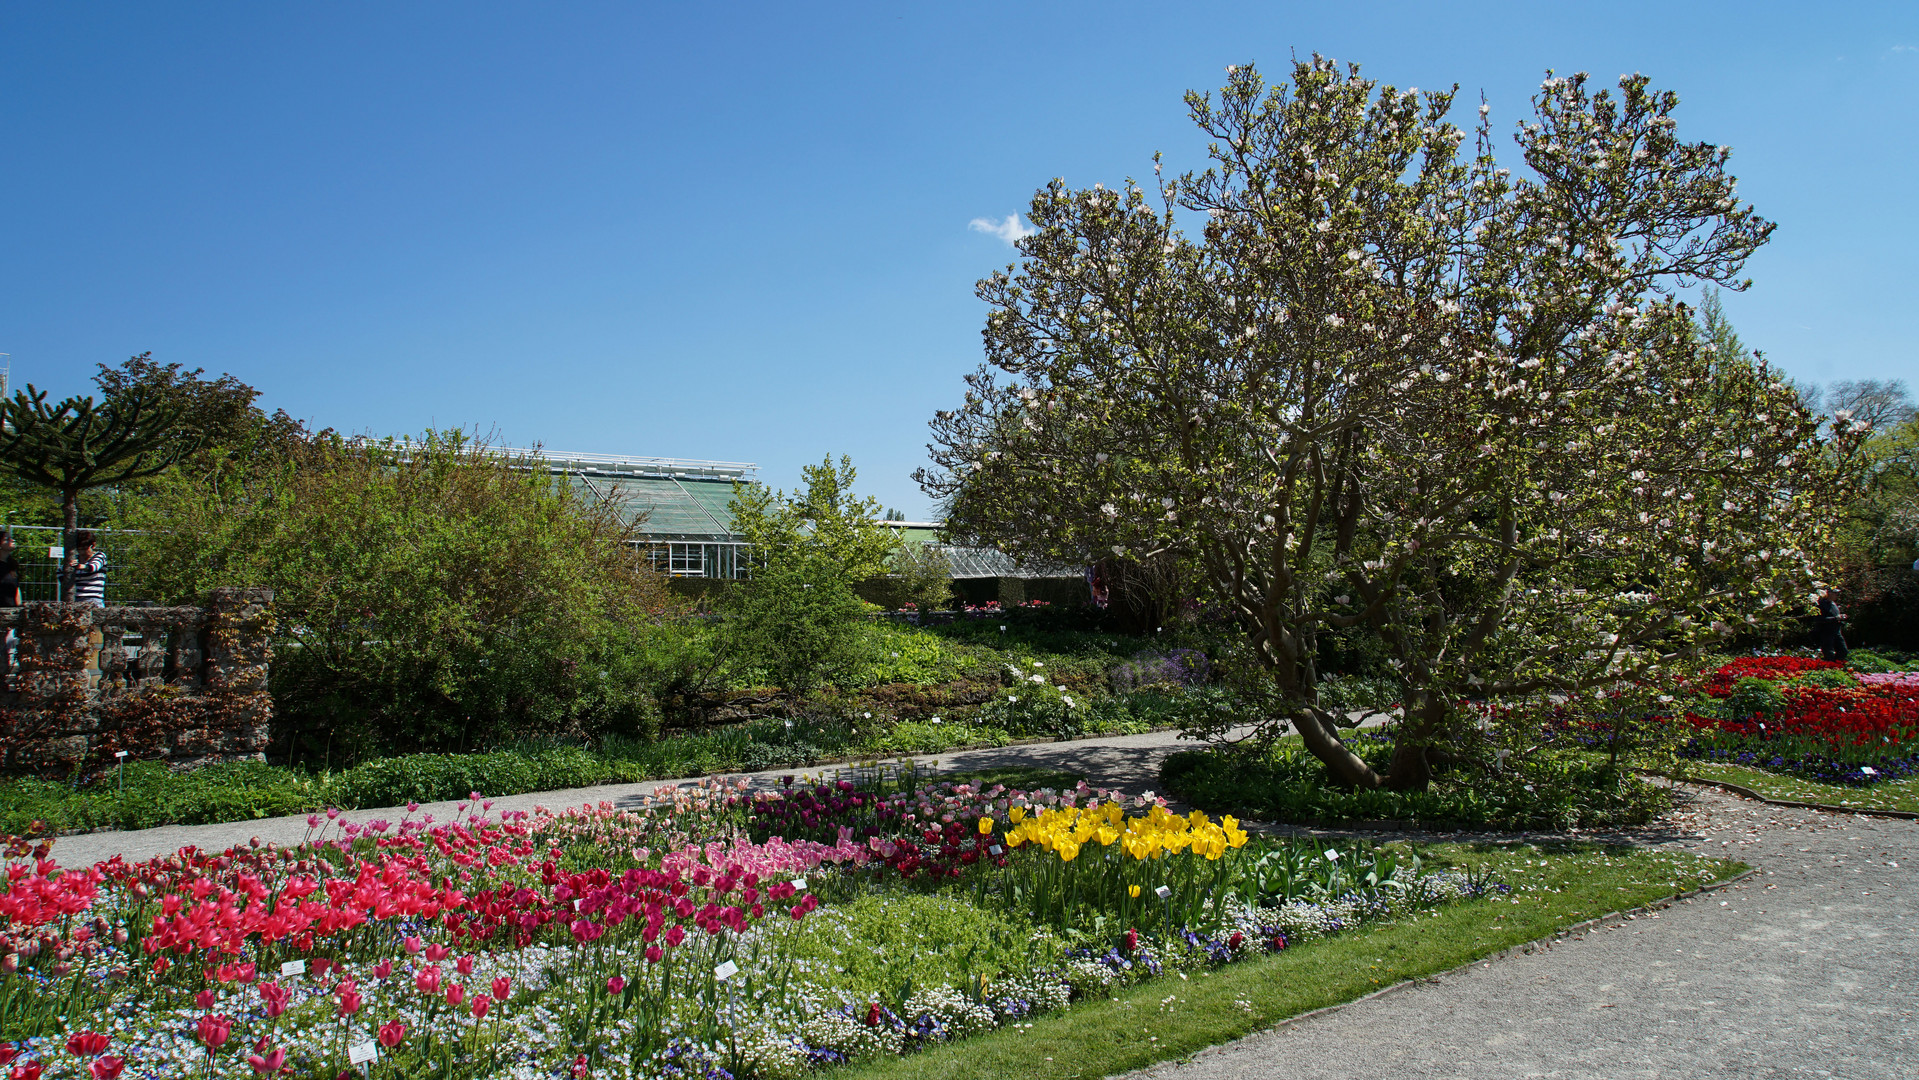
x: 1394, y: 385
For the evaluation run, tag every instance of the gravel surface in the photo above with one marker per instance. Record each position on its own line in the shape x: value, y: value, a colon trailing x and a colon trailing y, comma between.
x: 1130, y: 762
x: 1808, y: 969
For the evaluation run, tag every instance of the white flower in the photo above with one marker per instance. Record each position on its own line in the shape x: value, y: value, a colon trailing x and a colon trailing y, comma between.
x: 1109, y: 510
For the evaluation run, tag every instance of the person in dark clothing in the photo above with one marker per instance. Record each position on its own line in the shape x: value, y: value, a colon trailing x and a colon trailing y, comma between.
x: 9, y: 572
x: 1831, y: 628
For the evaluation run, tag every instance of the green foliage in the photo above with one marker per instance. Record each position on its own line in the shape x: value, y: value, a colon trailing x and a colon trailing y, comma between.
x: 1546, y: 791
x: 794, y: 620
x: 437, y: 777
x: 882, y: 653
x: 75, y: 445
x: 1822, y: 678
x: 918, y: 578
x: 430, y: 595
x: 1452, y: 404
x: 1761, y: 698
x: 155, y: 796
x: 881, y: 948
x: 1876, y: 663
x: 793, y: 617
x: 1034, y: 705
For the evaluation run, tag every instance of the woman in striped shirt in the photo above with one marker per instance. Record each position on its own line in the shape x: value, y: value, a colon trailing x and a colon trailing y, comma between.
x: 86, y: 572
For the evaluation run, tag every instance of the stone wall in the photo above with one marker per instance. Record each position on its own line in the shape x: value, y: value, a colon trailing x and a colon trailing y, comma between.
x: 193, y: 691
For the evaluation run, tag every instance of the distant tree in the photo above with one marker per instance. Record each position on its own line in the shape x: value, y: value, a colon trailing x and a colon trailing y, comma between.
x: 1716, y: 328
x: 805, y: 553
x: 77, y: 445
x: 1877, y: 403
x: 1395, y: 387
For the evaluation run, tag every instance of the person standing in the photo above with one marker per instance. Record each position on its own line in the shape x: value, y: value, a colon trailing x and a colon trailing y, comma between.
x: 1831, y: 626
x: 86, y: 571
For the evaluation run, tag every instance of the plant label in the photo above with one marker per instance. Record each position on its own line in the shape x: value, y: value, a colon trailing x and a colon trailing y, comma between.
x: 576, y: 904
x: 293, y: 967
x: 996, y: 850
x: 726, y: 971
x: 1163, y: 892
x: 1332, y: 856
x: 362, y: 1052
x: 799, y: 884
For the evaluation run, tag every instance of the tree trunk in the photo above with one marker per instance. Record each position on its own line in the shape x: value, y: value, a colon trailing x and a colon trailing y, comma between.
x: 1323, y: 742
x: 1411, y: 768
x: 70, y: 511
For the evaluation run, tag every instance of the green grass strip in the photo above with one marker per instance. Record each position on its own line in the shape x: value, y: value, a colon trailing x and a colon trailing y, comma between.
x: 1901, y: 795
x: 1169, y: 1018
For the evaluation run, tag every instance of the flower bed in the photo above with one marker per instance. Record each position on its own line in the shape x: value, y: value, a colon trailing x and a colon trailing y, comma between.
x: 1856, y: 729
x: 705, y: 934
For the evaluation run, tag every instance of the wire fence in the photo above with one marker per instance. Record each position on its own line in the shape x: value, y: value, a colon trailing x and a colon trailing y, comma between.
x: 41, y: 553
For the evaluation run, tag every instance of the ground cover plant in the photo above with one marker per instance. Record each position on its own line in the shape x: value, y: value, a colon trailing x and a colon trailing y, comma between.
x: 1550, y: 789
x: 1808, y: 718
x: 705, y: 933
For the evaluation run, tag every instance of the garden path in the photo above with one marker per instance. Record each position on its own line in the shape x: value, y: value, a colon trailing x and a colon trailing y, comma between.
x: 1808, y: 969
x: 1130, y: 762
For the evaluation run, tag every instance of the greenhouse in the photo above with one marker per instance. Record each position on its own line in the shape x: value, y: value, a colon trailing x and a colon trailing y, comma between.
x: 682, y: 506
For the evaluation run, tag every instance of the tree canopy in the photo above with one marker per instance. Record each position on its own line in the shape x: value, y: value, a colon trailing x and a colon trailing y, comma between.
x: 77, y: 444
x: 1393, y: 385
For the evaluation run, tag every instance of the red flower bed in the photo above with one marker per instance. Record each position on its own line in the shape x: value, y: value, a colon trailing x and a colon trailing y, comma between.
x: 1855, y: 716
x: 1721, y: 682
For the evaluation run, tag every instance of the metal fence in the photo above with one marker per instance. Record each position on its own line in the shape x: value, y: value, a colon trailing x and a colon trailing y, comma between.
x: 41, y: 554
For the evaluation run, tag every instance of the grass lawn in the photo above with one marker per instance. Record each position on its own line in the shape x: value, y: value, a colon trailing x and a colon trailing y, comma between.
x: 1167, y: 1018
x: 1892, y: 795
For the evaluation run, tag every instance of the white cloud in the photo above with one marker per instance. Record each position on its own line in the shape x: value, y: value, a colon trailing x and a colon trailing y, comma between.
x: 1010, y: 230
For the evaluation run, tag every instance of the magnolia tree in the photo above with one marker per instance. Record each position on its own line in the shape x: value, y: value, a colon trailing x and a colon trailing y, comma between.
x: 1394, y: 385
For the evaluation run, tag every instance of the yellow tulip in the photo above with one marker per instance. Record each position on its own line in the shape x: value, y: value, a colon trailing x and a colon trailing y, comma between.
x: 1132, y: 890
x: 986, y: 826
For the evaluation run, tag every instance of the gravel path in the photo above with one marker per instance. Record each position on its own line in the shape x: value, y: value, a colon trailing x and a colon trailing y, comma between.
x: 1130, y: 762
x: 1808, y: 969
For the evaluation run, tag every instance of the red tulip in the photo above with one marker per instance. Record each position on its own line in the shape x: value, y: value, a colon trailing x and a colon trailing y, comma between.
x: 269, y: 1064
x: 29, y: 1071
x: 502, y: 988
x: 391, y: 1033
x: 214, y: 1030
x: 87, y: 1044
x: 107, y: 1068
x: 615, y: 984
x: 480, y: 1004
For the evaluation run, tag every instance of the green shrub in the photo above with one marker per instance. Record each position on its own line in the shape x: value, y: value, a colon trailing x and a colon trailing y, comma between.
x: 1034, y: 705
x: 433, y: 777
x: 155, y: 795
x: 1286, y: 784
x: 430, y: 595
x: 1755, y: 698
x: 1823, y: 678
x: 1876, y: 663
x: 884, y: 653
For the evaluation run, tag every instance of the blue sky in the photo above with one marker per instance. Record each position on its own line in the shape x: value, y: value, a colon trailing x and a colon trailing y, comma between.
x: 740, y: 231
